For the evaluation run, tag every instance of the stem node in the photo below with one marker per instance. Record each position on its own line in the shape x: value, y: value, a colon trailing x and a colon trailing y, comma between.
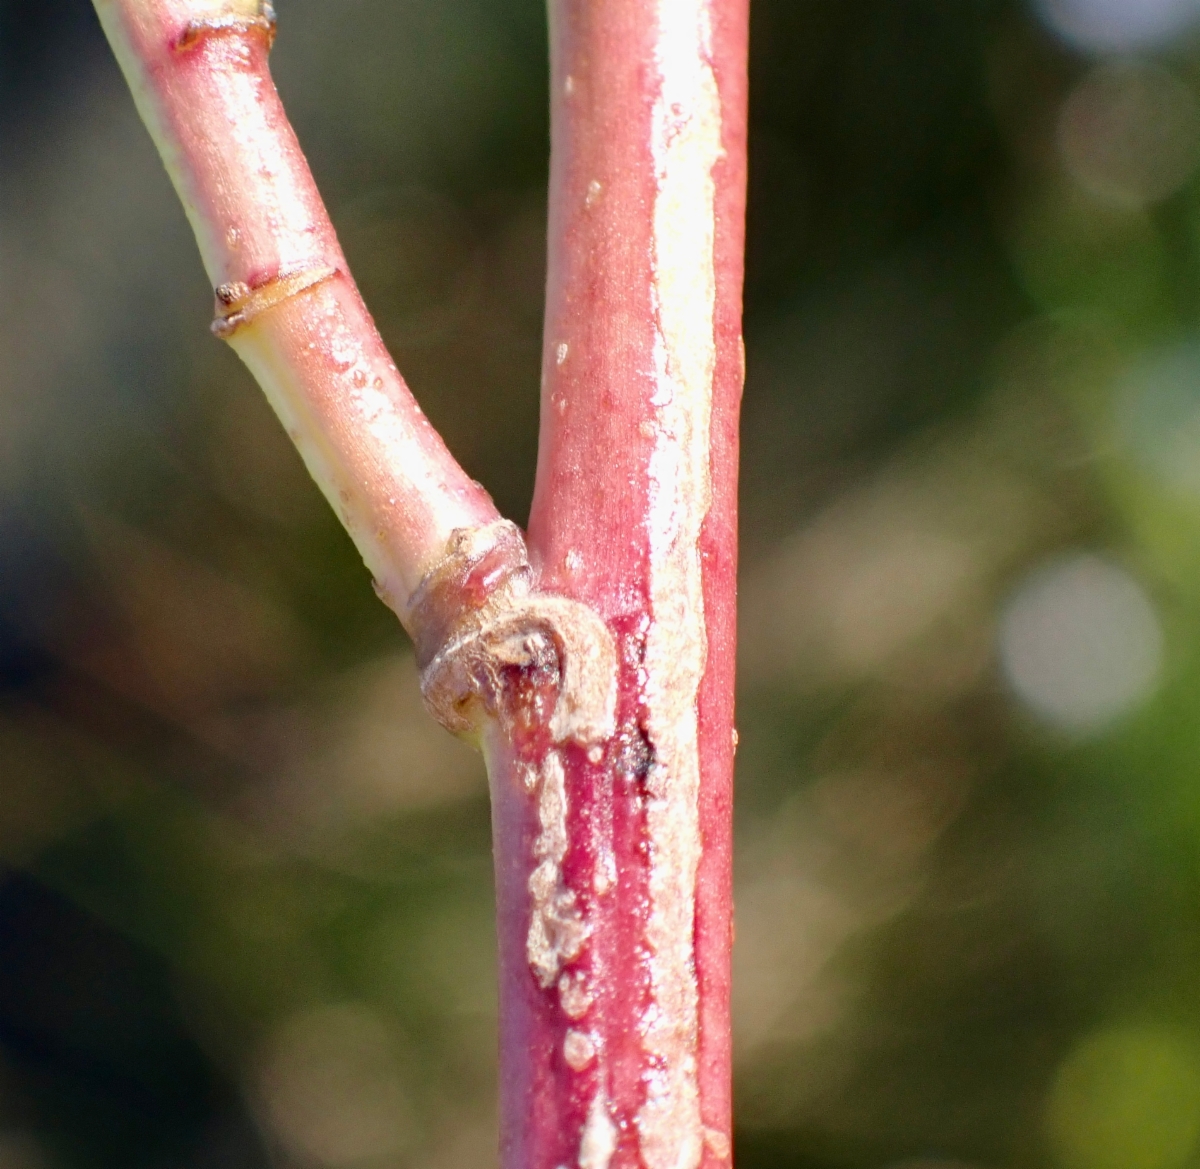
x: 241, y: 303
x: 255, y: 16
x: 488, y: 643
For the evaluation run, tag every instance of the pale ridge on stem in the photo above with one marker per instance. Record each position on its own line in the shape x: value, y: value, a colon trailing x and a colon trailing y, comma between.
x: 599, y: 1141
x: 557, y: 930
x: 686, y: 145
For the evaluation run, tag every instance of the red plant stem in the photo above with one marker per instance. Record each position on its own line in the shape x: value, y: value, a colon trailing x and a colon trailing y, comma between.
x: 617, y: 1055
x: 285, y: 299
x: 598, y: 672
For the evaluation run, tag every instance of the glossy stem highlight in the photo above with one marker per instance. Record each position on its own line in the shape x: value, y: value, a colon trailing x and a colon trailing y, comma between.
x: 285, y: 299
x: 622, y: 1061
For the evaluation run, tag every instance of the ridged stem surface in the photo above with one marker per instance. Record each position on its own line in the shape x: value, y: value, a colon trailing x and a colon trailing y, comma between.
x: 594, y: 663
x: 622, y: 1060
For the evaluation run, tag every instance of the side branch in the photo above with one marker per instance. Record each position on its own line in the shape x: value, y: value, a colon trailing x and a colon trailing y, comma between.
x: 284, y: 297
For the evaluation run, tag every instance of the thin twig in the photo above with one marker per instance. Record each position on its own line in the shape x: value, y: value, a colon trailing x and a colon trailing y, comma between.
x: 285, y: 299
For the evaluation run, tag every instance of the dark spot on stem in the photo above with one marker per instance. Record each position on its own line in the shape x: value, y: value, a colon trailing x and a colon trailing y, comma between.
x: 633, y: 753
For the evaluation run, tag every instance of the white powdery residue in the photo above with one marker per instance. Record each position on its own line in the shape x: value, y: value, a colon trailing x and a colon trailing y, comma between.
x: 344, y: 347
x: 529, y: 777
x: 372, y: 405
x: 557, y: 930
x: 686, y: 145
x: 605, y: 875
x: 599, y: 1141
x: 573, y: 995
x: 718, y: 1143
x: 579, y: 1049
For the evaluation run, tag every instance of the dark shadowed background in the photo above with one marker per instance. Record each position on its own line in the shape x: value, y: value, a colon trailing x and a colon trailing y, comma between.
x: 245, y: 883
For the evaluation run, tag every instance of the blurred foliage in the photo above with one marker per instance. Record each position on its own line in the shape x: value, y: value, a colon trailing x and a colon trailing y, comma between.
x: 245, y: 897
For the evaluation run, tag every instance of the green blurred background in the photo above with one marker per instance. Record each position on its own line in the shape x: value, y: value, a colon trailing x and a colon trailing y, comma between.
x: 245, y: 889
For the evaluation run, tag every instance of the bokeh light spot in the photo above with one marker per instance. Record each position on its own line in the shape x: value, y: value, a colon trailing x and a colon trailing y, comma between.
x: 1158, y: 414
x: 331, y: 1088
x: 1126, y: 1098
x: 1129, y: 134
x: 1080, y: 642
x: 1114, y: 26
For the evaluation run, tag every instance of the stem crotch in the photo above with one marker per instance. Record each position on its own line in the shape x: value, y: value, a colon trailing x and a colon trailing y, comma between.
x: 489, y: 645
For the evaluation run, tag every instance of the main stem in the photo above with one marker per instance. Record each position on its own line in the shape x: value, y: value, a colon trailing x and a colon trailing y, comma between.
x: 594, y: 664
x: 623, y: 1058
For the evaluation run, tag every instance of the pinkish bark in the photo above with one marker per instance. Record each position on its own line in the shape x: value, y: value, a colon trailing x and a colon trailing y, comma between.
x: 594, y: 666
x: 285, y: 299
x: 635, y: 515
